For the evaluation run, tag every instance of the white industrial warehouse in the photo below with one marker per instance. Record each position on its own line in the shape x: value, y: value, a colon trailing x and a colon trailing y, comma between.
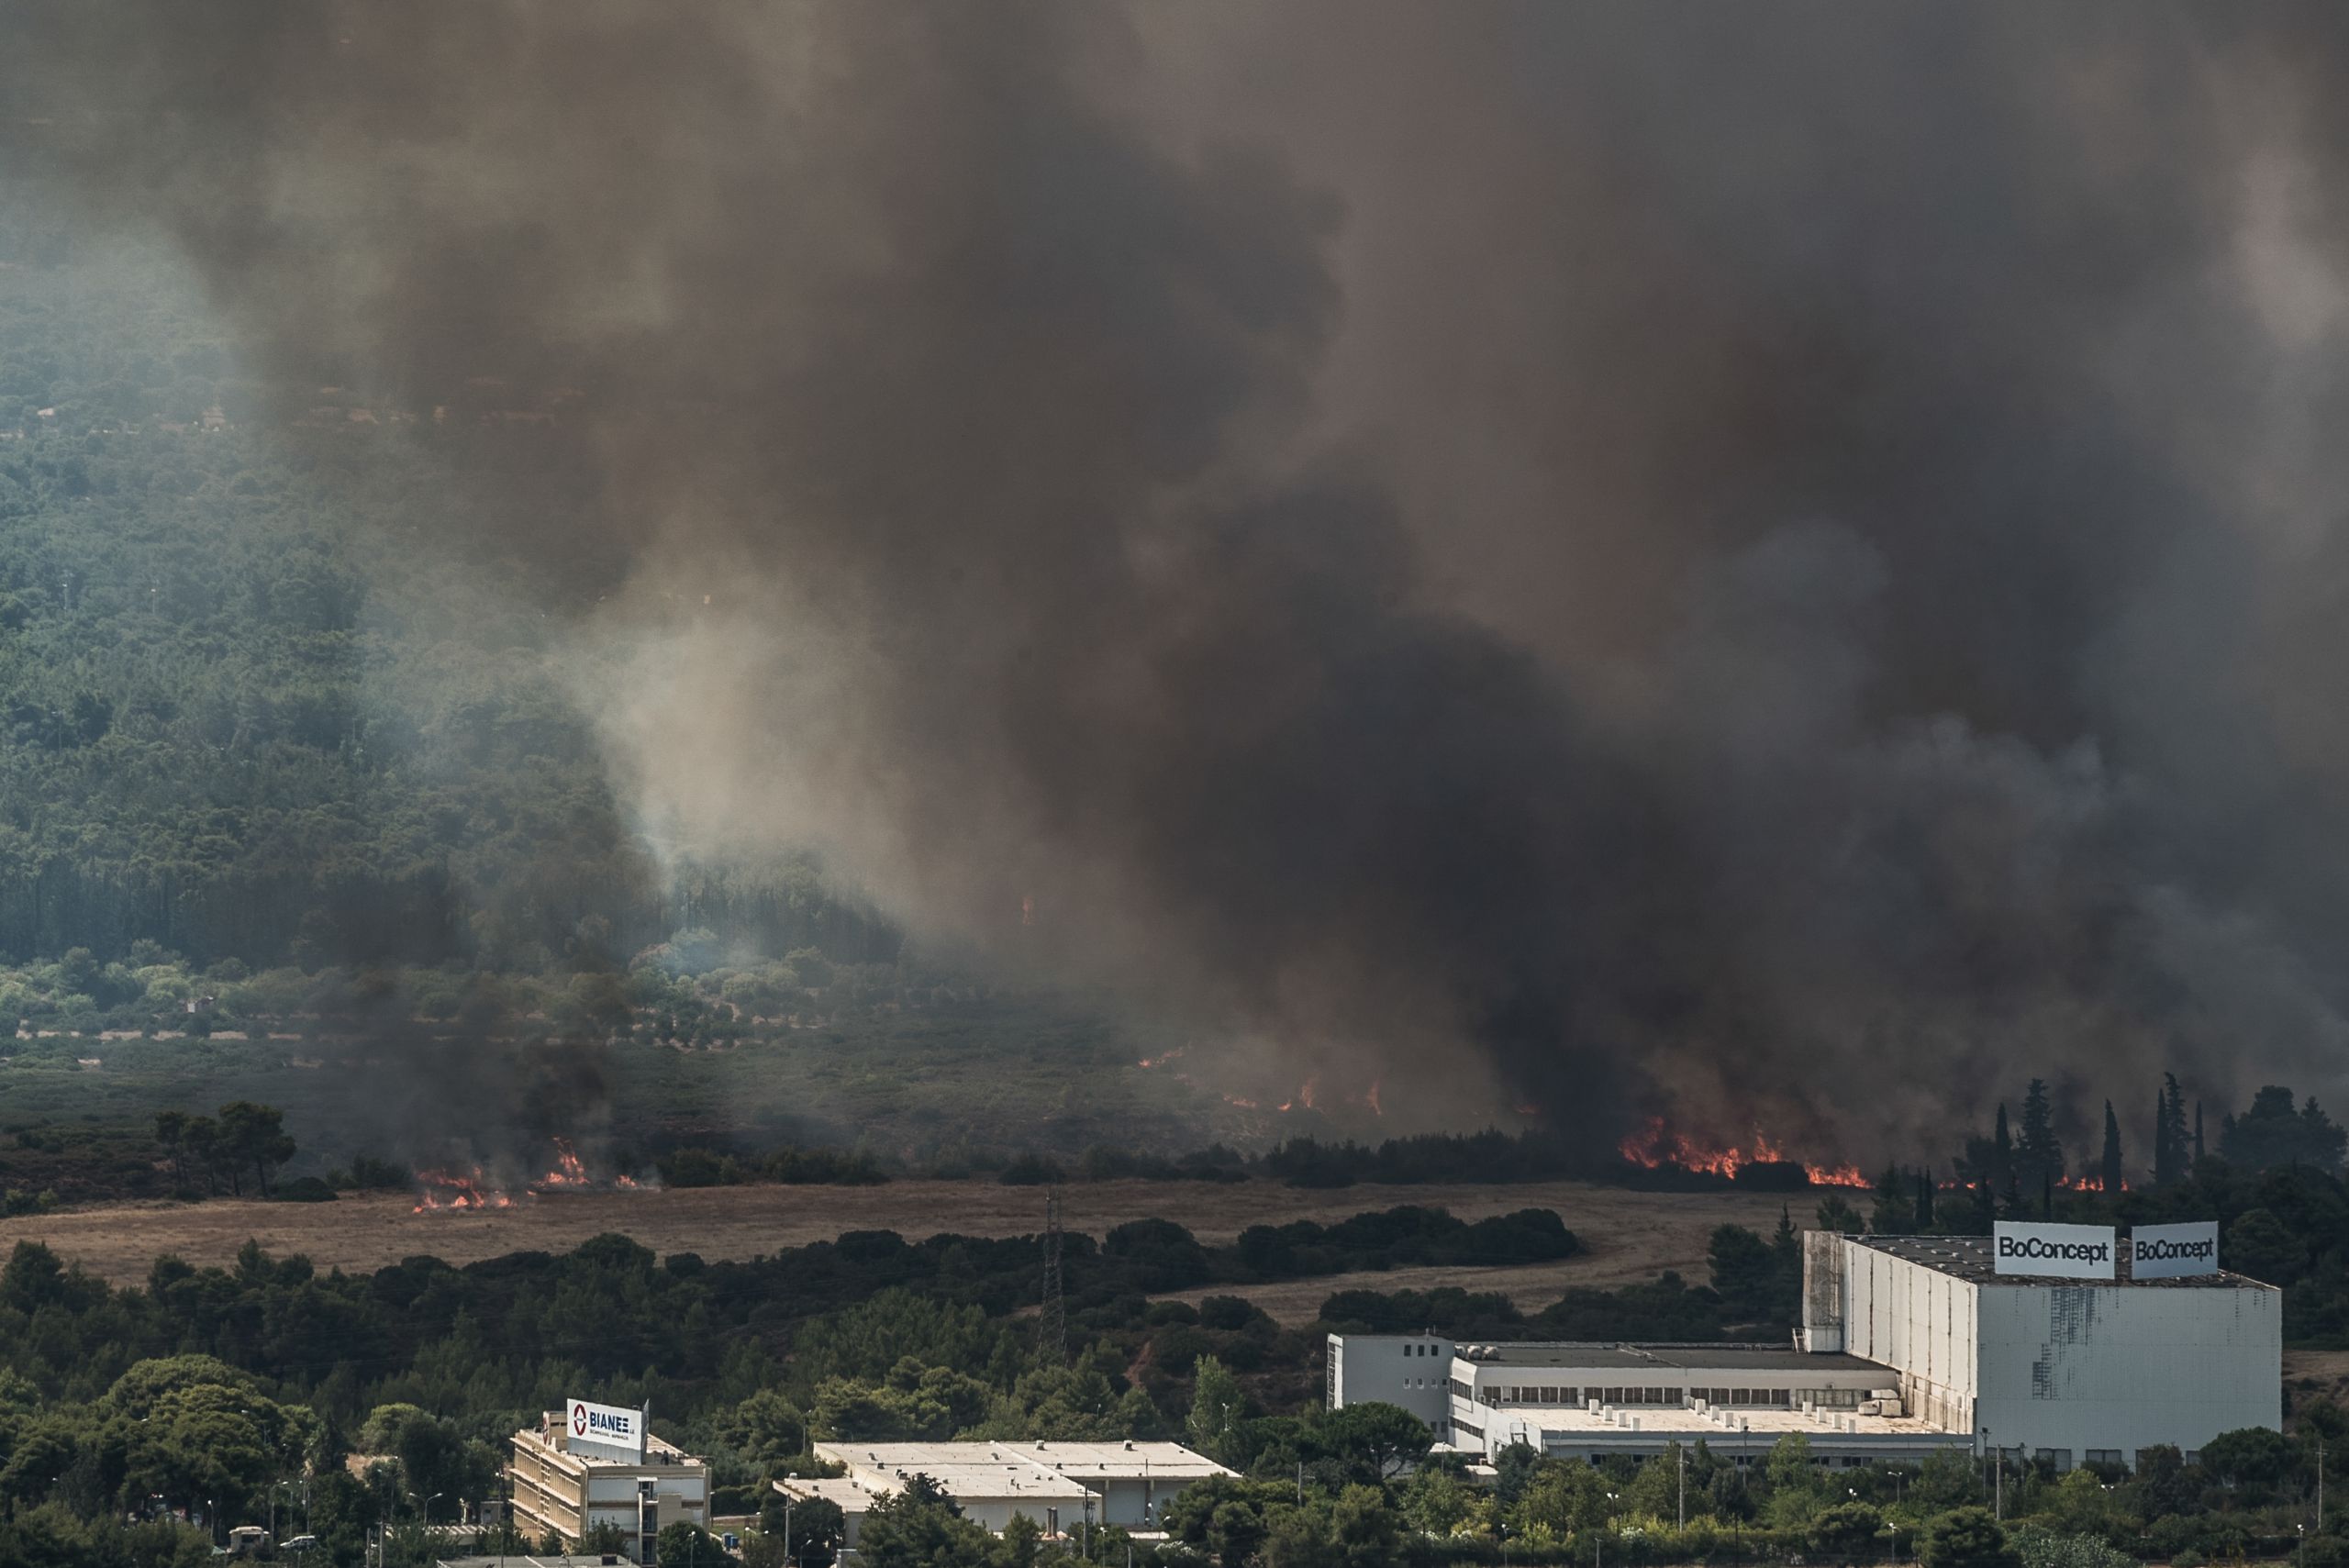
x: 2061, y: 1343
x: 1059, y: 1485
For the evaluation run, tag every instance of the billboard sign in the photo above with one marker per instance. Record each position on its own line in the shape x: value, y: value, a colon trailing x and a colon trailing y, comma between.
x: 606, y: 1431
x: 2054, y: 1252
x: 2174, y: 1252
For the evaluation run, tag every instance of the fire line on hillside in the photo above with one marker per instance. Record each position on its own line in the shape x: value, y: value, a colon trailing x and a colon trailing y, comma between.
x: 447, y: 1191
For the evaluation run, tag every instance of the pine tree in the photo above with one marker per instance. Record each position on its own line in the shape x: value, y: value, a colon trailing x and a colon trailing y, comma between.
x: 2109, y: 1169
x: 2197, y: 1132
x: 1218, y: 1406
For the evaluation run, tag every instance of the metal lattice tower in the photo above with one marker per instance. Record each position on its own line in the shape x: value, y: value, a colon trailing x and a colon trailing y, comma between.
x: 1051, y: 1332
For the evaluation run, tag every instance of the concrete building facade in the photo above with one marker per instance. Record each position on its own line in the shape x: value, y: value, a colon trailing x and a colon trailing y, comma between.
x: 1591, y: 1400
x: 565, y: 1489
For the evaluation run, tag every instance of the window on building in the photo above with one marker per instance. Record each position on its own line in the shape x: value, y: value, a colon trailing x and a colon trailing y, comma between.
x: 2054, y: 1458
x: 2105, y: 1458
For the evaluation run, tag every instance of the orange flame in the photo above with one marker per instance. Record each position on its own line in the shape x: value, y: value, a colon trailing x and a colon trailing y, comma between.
x: 1163, y: 1058
x: 1652, y: 1147
x: 568, y: 1172
x: 447, y: 1189
x: 1375, y: 1109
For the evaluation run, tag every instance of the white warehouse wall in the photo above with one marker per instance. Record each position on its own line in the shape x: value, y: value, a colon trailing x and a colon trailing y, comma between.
x: 2070, y: 1368
x: 1921, y: 1322
x: 2122, y: 1367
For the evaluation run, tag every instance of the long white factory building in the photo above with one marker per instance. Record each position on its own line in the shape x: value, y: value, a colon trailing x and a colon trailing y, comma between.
x: 1908, y: 1344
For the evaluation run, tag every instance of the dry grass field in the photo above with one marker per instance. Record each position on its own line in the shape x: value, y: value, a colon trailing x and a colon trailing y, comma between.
x: 1630, y: 1235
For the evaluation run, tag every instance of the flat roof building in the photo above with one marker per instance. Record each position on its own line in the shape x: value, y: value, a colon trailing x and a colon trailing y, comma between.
x: 1908, y: 1344
x: 1060, y: 1486
x: 565, y: 1484
x: 2071, y: 1371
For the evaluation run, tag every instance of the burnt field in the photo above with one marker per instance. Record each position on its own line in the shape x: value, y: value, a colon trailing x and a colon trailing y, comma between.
x: 1628, y: 1235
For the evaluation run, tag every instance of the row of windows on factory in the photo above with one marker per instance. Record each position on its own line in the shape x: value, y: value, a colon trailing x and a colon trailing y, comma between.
x: 1763, y: 1398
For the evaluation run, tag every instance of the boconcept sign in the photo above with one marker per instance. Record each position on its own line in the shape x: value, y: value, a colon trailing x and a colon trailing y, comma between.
x: 2056, y: 1251
x: 607, y: 1430
x: 2173, y: 1252
x: 2089, y: 1251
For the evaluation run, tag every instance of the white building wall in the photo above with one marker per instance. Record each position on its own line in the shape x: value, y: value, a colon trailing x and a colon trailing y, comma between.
x: 1919, y: 1322
x: 994, y: 1513
x: 1410, y: 1370
x: 2069, y: 1369
x: 2075, y: 1368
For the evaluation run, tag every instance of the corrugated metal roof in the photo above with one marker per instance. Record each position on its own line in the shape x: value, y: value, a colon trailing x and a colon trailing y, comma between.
x: 1969, y: 1258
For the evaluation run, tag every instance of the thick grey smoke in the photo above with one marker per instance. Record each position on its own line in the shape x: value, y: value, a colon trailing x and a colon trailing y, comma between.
x: 1777, y: 563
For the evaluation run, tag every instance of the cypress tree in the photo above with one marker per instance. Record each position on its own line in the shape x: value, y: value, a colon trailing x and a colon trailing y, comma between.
x: 2002, y: 1162
x: 2172, y: 1144
x: 1894, y: 1214
x: 2039, y: 1155
x: 2162, y: 1159
x: 2110, y: 1168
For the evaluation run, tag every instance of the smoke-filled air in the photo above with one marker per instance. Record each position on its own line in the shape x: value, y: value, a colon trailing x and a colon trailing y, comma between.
x: 1764, y: 566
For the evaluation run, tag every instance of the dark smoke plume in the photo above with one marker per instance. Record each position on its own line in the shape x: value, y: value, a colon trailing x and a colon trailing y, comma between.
x: 1780, y: 563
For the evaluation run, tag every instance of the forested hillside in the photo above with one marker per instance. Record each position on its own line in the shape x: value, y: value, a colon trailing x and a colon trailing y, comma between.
x: 248, y: 714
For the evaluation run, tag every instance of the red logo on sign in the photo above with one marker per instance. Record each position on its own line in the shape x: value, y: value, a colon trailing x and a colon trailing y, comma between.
x: 579, y: 1419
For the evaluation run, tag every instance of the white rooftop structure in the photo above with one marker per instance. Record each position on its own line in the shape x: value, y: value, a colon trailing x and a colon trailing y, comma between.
x: 1057, y: 1484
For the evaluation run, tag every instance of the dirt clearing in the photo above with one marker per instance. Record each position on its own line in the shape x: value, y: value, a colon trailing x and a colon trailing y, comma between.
x: 1630, y: 1235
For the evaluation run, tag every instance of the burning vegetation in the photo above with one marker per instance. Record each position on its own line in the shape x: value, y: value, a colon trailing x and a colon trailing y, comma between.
x: 1655, y: 1147
x: 442, y: 1188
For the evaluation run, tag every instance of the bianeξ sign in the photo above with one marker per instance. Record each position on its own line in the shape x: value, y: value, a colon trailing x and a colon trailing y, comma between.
x: 2054, y: 1252
x: 606, y: 1431
x: 2174, y: 1252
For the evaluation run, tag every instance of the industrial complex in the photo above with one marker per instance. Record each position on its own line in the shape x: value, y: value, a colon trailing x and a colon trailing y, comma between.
x: 2064, y: 1345
x: 2037, y: 1343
